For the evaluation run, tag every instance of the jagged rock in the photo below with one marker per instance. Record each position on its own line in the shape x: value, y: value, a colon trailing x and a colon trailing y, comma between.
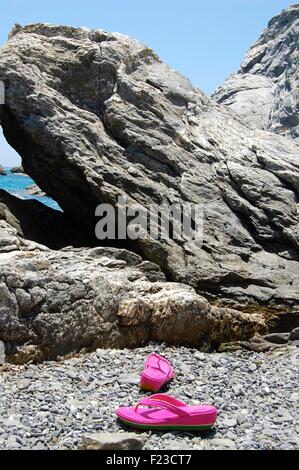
x: 95, y: 115
x: 34, y: 190
x: 265, y: 90
x: 256, y: 344
x: 2, y: 171
x: 37, y: 222
x: 57, y: 302
x: 277, y: 338
x: 17, y: 169
x: 113, y: 441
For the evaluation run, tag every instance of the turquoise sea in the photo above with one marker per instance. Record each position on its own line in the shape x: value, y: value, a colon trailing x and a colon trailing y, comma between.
x: 16, y: 184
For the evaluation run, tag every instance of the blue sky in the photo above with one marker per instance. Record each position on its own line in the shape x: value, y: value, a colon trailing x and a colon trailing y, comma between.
x: 205, y: 40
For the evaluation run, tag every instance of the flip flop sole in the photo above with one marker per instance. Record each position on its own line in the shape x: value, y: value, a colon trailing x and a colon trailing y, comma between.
x: 168, y: 427
x: 150, y: 388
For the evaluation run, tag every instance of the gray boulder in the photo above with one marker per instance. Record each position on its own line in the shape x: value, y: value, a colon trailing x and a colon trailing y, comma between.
x: 277, y: 338
x: 58, y: 302
x: 113, y: 441
x: 2, y: 171
x: 264, y: 91
x: 96, y: 115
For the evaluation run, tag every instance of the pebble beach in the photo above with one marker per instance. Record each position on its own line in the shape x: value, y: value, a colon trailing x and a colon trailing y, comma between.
x: 54, y: 405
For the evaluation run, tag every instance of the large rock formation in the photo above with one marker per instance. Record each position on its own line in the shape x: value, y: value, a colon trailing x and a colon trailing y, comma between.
x: 95, y: 115
x: 58, y: 302
x: 265, y: 90
x: 2, y: 171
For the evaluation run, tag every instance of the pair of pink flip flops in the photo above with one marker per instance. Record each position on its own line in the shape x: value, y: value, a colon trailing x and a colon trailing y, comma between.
x: 162, y: 411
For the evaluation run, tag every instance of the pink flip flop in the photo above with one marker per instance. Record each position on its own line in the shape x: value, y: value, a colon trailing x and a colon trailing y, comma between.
x: 156, y: 373
x: 164, y: 412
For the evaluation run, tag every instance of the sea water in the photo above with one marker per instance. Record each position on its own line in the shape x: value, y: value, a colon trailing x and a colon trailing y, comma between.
x: 16, y: 184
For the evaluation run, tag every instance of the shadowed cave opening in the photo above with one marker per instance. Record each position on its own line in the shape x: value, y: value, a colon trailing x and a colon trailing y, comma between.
x: 40, y: 218
x: 35, y: 215
x: 78, y: 203
x: 17, y: 182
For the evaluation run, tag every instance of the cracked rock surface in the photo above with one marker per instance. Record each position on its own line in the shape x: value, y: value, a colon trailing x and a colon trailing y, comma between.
x: 265, y: 90
x: 57, y: 302
x: 96, y: 115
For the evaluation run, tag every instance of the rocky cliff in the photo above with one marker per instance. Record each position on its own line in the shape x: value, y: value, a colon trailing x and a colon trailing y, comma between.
x: 96, y: 115
x: 265, y: 90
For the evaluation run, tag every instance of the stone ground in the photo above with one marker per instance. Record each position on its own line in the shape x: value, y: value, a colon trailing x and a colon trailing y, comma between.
x: 54, y: 404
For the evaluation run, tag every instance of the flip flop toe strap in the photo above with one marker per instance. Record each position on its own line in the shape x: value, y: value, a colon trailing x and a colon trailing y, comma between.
x: 158, y: 367
x: 159, y: 402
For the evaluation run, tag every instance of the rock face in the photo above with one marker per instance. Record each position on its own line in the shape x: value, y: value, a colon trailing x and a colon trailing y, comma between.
x: 96, y: 115
x: 37, y: 222
x: 265, y: 90
x: 57, y: 302
x: 2, y: 171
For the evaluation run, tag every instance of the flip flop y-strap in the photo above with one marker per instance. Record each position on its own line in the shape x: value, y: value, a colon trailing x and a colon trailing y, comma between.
x: 167, y: 398
x: 166, y: 403
x: 160, y: 359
